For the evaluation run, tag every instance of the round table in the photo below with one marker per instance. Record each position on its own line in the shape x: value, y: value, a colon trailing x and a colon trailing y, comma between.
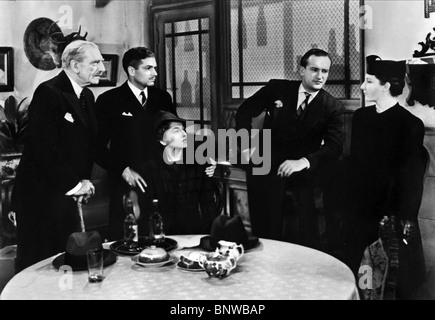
x: 272, y: 271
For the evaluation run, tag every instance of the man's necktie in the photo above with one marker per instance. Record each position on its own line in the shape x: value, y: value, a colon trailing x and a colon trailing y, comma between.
x: 144, y: 99
x: 303, y: 105
x: 83, y: 99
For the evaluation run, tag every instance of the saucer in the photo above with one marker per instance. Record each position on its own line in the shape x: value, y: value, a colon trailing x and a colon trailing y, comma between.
x: 182, y: 266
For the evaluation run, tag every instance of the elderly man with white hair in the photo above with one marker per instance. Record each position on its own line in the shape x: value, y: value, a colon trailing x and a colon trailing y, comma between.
x: 55, y: 169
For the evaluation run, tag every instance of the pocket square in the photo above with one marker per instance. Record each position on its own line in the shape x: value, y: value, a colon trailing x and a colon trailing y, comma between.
x: 125, y: 114
x: 68, y: 117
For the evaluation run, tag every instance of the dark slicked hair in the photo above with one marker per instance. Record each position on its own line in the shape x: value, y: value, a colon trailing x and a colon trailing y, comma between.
x: 134, y: 56
x: 313, y: 52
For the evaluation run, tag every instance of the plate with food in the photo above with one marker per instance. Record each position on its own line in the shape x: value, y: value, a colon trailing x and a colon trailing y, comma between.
x: 153, y: 257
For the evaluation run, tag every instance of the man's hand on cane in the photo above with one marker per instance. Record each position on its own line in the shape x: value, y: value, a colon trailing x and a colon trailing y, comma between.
x: 85, y: 192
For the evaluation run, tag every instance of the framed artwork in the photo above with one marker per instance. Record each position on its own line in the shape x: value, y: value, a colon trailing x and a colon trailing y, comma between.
x: 429, y: 6
x: 109, y: 77
x: 6, y: 69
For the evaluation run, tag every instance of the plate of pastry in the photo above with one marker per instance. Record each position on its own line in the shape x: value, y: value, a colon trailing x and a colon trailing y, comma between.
x: 153, y: 257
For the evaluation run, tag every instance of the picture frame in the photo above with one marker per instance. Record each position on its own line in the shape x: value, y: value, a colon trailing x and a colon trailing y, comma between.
x: 6, y: 69
x: 110, y: 76
x: 429, y: 7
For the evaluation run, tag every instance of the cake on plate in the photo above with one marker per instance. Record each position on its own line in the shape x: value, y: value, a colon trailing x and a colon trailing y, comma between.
x: 153, y: 254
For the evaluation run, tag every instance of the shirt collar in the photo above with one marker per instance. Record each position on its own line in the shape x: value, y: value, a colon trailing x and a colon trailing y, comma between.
x: 302, y: 90
x: 136, y: 91
x: 77, y: 89
x: 302, y: 95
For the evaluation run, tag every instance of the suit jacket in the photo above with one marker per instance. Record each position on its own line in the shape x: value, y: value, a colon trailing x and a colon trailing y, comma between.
x: 318, y: 136
x: 56, y: 157
x: 125, y: 135
x: 127, y: 126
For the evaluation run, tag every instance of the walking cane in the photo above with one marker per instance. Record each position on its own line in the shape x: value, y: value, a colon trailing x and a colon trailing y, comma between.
x: 82, y: 221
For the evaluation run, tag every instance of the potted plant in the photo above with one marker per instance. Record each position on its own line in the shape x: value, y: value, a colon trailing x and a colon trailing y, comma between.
x: 13, y: 124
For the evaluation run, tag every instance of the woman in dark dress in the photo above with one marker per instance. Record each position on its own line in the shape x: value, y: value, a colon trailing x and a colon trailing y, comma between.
x: 387, y: 165
x: 186, y: 192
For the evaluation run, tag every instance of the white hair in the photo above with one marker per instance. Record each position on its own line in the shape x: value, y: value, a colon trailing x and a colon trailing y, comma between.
x: 75, y: 51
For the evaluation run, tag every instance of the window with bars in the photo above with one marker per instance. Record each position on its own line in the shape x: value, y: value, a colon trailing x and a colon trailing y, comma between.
x: 188, y: 78
x: 268, y: 38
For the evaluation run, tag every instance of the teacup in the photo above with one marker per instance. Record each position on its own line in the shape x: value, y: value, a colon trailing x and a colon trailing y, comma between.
x: 217, y: 265
x: 228, y: 248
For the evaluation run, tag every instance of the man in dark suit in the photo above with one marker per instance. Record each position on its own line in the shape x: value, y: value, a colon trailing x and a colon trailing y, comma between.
x: 307, y: 130
x: 55, y: 168
x: 125, y: 123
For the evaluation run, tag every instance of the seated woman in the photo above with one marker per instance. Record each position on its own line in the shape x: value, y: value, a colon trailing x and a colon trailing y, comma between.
x: 387, y: 166
x: 185, y: 192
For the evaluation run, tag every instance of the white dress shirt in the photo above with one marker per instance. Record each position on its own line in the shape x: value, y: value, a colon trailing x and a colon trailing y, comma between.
x: 136, y: 91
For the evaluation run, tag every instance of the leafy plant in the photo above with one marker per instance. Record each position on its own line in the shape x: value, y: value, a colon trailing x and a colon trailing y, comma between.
x: 13, y: 126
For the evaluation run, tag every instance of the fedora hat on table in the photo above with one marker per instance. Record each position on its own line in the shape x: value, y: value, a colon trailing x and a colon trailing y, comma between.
x: 229, y: 229
x: 77, y: 246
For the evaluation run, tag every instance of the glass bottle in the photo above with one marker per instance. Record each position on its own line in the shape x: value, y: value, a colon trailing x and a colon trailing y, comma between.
x: 157, y: 233
x: 131, y: 235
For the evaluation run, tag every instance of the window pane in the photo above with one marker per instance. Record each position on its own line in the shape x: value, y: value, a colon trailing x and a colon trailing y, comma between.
x: 274, y: 34
x: 205, y: 24
x: 169, y: 65
x: 337, y: 90
x: 190, y: 63
x: 249, y: 91
x: 236, y: 93
x: 355, y: 92
x: 168, y: 28
x: 235, y: 45
x: 354, y: 40
x: 186, y: 26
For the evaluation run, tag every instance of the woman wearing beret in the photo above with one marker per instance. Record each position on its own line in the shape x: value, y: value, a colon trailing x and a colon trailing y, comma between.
x: 387, y: 163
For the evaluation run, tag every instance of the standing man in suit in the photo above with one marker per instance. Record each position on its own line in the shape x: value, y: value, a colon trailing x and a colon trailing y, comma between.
x: 307, y: 131
x: 55, y: 168
x: 125, y: 123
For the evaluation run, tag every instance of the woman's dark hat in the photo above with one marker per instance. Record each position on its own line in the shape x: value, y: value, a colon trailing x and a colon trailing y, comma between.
x: 228, y: 229
x: 77, y: 245
x: 385, y: 68
x: 165, y: 116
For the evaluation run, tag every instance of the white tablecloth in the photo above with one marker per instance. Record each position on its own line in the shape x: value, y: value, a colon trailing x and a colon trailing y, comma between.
x: 272, y: 271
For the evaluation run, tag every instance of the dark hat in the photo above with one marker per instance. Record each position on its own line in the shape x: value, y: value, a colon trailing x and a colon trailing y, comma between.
x: 76, y: 248
x: 229, y: 229
x: 385, y: 68
x: 422, y: 84
x: 165, y: 116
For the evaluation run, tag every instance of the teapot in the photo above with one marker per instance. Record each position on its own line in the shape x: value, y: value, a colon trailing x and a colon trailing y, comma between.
x: 227, y: 248
x: 217, y: 265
